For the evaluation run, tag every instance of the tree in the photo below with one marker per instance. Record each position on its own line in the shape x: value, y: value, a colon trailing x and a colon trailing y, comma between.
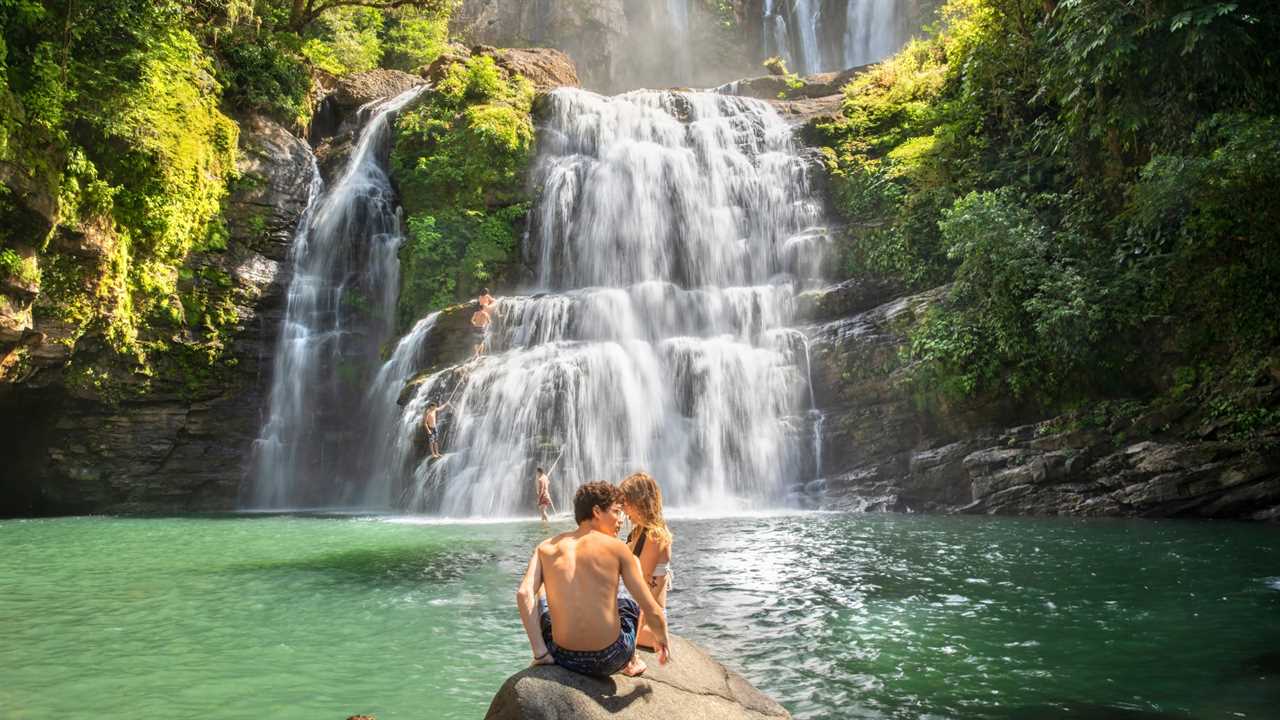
x: 304, y: 12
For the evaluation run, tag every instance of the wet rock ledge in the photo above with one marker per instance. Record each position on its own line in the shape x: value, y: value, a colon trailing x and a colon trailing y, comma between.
x: 692, y: 687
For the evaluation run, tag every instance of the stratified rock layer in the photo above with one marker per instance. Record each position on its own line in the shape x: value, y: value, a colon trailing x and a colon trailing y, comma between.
x: 692, y: 687
x: 883, y: 451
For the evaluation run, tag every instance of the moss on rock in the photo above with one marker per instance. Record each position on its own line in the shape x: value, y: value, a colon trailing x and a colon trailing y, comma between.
x: 460, y: 159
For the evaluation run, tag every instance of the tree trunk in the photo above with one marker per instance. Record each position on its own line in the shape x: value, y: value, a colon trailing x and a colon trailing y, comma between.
x: 298, y: 15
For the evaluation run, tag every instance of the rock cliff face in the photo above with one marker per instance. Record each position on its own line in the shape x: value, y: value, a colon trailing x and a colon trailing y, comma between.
x: 884, y: 452
x: 693, y: 686
x: 176, y: 440
x: 623, y: 44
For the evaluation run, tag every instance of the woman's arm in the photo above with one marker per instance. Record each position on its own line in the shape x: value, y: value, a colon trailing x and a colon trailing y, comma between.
x: 527, y: 602
x: 653, y: 615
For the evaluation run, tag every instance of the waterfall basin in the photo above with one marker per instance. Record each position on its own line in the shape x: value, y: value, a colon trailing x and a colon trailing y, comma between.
x: 836, y: 616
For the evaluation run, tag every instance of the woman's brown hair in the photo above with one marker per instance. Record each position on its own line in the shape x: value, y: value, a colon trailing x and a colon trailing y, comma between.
x: 642, y: 493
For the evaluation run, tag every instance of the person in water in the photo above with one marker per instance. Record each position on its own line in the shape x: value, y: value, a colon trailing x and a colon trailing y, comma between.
x: 544, y: 492
x: 486, y: 300
x: 582, y: 624
x: 431, y: 423
x: 480, y: 326
x: 650, y: 541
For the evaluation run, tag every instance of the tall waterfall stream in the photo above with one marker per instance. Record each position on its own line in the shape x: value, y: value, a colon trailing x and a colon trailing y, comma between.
x: 670, y: 237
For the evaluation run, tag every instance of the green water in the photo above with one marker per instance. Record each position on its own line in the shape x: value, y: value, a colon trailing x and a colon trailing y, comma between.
x: 836, y: 616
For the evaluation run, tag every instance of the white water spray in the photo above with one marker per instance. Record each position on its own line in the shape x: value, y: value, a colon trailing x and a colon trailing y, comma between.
x: 671, y: 236
x: 338, y: 313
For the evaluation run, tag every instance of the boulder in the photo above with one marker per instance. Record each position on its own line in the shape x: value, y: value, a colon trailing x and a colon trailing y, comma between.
x: 546, y: 68
x: 692, y: 686
x: 337, y: 113
x: 851, y: 297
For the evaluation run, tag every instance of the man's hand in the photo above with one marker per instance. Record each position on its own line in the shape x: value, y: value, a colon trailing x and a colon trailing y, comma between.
x: 544, y: 660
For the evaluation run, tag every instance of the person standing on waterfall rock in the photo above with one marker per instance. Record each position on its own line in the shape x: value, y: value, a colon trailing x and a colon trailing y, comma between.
x: 480, y: 320
x: 582, y: 624
x: 544, y: 492
x: 431, y: 423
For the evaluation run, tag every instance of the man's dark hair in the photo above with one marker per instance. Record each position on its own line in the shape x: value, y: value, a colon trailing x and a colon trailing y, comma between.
x: 540, y: 471
x: 433, y: 403
x: 598, y: 494
x: 484, y: 291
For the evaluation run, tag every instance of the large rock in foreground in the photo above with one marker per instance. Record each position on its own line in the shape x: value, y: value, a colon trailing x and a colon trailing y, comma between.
x: 691, y: 687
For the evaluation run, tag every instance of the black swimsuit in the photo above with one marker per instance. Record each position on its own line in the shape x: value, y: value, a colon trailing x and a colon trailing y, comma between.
x: 640, y: 542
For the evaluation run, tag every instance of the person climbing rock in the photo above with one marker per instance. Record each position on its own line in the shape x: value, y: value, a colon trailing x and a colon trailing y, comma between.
x: 480, y: 320
x: 582, y: 624
x: 544, y: 492
x: 431, y: 423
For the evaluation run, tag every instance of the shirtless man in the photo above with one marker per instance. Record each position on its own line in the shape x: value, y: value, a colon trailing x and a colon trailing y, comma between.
x: 480, y: 326
x: 582, y: 624
x: 544, y: 493
x: 486, y: 300
x: 431, y: 424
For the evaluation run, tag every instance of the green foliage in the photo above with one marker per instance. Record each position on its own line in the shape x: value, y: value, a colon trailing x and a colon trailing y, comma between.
x: 1093, y: 177
x: 123, y: 127
x: 114, y: 110
x: 261, y: 73
x: 414, y: 37
x: 345, y: 40
x: 460, y: 159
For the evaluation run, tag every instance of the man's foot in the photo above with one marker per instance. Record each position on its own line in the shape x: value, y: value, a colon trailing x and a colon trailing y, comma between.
x: 635, y: 667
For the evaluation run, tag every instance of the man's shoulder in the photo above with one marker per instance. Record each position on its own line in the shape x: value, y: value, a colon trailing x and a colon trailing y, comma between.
x: 552, y: 543
x: 609, y: 543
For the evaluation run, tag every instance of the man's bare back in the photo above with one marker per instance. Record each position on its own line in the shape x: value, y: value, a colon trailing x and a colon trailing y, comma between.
x: 583, y: 624
x: 580, y: 573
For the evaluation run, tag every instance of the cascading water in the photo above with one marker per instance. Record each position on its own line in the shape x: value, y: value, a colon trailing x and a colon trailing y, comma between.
x: 873, y: 31
x: 672, y: 233
x: 821, y: 35
x: 312, y: 450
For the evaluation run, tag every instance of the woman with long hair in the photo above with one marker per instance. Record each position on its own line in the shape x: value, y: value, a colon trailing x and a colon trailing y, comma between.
x: 650, y: 541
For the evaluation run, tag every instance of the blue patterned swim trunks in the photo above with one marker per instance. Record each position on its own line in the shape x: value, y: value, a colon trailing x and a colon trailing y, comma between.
x: 600, y: 663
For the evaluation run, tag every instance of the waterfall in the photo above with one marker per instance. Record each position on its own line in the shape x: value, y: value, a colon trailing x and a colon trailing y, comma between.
x: 338, y: 313
x: 389, y: 441
x: 671, y: 235
x: 821, y: 35
x: 872, y: 31
x: 678, y: 21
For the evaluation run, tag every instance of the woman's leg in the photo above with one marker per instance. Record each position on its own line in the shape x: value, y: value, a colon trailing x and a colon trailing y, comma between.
x: 659, y: 589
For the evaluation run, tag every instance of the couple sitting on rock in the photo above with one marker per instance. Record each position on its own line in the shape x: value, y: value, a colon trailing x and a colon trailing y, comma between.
x: 580, y: 622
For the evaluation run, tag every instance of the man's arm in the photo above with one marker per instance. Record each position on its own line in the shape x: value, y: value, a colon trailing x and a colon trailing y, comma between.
x: 654, y: 615
x: 527, y: 602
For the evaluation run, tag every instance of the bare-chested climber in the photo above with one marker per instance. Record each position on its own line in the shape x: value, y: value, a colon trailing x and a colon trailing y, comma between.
x: 431, y: 423
x: 480, y: 320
